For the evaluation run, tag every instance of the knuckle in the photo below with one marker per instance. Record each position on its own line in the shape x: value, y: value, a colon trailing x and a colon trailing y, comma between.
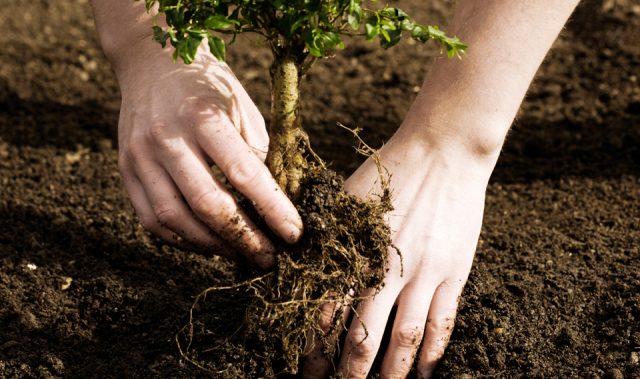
x: 243, y: 173
x: 156, y: 133
x: 148, y: 222
x: 134, y: 155
x: 159, y: 137
x: 166, y: 215
x: 195, y: 107
x: 203, y: 111
x: 123, y: 160
x: 409, y: 335
x: 363, y: 345
x: 434, y: 354
x: 442, y: 324
x: 261, y: 148
x: 208, y: 204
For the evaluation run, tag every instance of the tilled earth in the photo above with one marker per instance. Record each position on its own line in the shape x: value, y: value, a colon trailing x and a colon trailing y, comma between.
x: 555, y: 289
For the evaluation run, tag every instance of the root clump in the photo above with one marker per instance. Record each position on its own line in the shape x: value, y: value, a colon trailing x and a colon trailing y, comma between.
x: 342, y: 252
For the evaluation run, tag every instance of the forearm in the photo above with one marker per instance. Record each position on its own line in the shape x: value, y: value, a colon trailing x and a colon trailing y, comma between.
x: 124, y: 27
x: 469, y: 104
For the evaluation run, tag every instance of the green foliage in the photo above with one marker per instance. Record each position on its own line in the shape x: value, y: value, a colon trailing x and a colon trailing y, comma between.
x: 306, y: 29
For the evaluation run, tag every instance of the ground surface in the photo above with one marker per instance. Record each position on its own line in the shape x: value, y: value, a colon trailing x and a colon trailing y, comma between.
x: 555, y: 290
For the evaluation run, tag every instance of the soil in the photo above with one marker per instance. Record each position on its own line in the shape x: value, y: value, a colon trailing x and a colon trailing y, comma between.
x: 555, y: 289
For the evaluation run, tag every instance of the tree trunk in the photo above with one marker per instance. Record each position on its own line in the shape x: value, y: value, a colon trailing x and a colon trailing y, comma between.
x: 288, y: 141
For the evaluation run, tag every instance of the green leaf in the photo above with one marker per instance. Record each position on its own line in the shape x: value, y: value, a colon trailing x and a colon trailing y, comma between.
x: 187, y: 48
x: 298, y: 24
x: 384, y: 34
x: 407, y: 25
x: 420, y: 33
x: 387, y: 12
x: 149, y: 4
x: 355, y: 14
x: 217, y: 47
x: 371, y: 28
x: 318, y: 42
x: 160, y: 36
x: 311, y: 44
x: 392, y: 37
x: 219, y: 22
x: 435, y: 32
x: 332, y: 40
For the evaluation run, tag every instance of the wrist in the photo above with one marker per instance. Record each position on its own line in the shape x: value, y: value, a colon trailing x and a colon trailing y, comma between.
x: 473, y: 131
x: 468, y: 160
x: 470, y: 135
x: 125, y: 31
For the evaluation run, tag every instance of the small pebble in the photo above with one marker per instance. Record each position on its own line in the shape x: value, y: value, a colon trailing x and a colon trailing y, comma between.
x: 84, y: 76
x: 634, y: 358
x: 105, y: 145
x: 30, y: 320
x: 31, y: 266
x: 66, y: 283
x: 4, y: 150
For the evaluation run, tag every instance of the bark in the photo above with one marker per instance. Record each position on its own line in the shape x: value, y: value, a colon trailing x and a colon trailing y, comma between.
x: 288, y: 141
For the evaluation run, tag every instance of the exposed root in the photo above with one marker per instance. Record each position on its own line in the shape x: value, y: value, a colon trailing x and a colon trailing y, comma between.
x: 343, y: 252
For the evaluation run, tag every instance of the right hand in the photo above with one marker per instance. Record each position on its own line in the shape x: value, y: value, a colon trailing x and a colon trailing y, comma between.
x: 438, y: 201
x: 177, y: 120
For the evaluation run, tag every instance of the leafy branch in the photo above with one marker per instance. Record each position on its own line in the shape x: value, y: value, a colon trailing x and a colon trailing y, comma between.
x: 306, y: 28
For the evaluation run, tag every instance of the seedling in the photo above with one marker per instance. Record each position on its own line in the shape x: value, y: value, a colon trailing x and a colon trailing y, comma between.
x: 346, y: 241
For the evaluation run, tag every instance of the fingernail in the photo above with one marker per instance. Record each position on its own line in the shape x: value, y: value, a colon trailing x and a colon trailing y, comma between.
x: 292, y: 231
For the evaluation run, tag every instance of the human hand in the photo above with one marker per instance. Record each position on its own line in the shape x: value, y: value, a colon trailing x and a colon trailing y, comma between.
x: 438, y: 199
x: 175, y: 122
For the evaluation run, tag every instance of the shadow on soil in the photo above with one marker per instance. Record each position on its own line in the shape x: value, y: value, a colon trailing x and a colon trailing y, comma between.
x: 39, y: 124
x: 119, y: 284
x: 554, y: 151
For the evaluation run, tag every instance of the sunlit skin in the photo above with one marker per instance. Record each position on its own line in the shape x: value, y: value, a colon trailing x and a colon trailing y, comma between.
x: 174, y: 121
x: 177, y: 119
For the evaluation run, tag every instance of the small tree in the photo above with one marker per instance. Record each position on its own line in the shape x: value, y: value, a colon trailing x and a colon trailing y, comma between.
x: 299, y: 32
x: 344, y: 248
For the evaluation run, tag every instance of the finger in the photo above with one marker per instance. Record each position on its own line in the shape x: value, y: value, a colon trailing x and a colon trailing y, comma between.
x: 408, y: 330
x: 439, y: 326
x: 170, y: 211
x: 144, y: 211
x: 254, y: 133
x: 317, y: 363
x: 247, y: 118
x: 365, y: 334
x: 213, y: 204
x: 250, y: 176
x: 252, y: 127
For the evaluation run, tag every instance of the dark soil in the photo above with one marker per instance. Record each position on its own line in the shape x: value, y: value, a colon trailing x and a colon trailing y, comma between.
x: 555, y: 290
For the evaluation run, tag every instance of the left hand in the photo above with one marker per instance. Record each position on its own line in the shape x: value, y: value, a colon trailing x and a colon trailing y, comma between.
x: 438, y: 197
